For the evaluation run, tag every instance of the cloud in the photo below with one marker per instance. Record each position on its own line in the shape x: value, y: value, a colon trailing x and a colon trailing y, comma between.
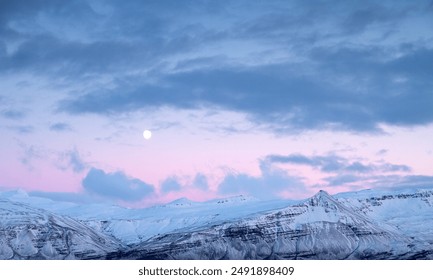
x: 360, y: 167
x: 58, y: 34
x: 60, y: 126
x: 269, y: 185
x: 350, y: 173
x: 292, y: 66
x: 30, y: 153
x: 34, y: 155
x: 76, y: 163
x: 258, y: 186
x: 415, y: 181
x: 72, y: 159
x: 346, y: 172
x: 284, y: 98
x: 330, y: 163
x: 334, y: 163
x: 116, y: 186
x: 360, y: 181
x: 170, y: 184
x: 271, y: 94
x: 382, y: 152
x: 345, y: 180
x: 393, y: 90
x: 22, y: 129
x: 12, y: 114
x: 361, y: 18
x: 200, y: 182
x: 387, y: 167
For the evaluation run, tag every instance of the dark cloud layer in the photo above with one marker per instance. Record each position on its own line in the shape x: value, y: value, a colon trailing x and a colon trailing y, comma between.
x: 348, y: 65
x: 277, y: 95
x: 116, y: 186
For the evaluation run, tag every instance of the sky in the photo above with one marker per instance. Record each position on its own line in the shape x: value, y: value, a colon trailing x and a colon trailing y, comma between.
x: 271, y: 99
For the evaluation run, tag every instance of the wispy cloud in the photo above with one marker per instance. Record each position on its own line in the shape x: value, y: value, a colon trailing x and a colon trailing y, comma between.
x: 29, y: 154
x: 380, y: 181
x: 60, y: 126
x: 348, y: 173
x: 334, y: 163
x: 22, y: 129
x: 72, y: 159
x: 12, y: 114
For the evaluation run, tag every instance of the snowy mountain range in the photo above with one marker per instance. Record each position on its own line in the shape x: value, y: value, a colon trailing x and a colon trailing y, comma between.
x: 370, y: 224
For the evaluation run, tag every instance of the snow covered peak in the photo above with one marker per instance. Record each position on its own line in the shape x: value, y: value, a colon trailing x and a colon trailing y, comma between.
x: 322, y: 198
x: 235, y: 199
x: 181, y: 202
x: 14, y: 194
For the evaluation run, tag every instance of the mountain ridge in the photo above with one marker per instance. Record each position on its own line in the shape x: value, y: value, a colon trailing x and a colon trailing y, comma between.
x: 370, y: 225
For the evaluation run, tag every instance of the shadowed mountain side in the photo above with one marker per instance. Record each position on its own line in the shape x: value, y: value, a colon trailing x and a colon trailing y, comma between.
x: 30, y: 233
x: 317, y: 228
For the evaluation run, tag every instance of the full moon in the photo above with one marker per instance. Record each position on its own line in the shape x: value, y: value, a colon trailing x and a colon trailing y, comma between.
x: 147, y: 134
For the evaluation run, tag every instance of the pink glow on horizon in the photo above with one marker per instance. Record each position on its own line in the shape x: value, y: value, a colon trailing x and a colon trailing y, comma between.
x: 214, y: 156
x: 45, y: 180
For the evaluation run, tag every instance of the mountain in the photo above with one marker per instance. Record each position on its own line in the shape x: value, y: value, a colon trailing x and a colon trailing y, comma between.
x: 132, y: 226
x: 370, y: 224
x: 30, y: 233
x: 317, y: 228
x: 410, y: 211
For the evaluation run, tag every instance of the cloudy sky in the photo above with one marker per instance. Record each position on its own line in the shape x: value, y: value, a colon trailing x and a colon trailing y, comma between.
x: 274, y: 99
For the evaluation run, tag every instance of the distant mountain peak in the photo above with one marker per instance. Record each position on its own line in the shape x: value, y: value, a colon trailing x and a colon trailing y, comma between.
x: 181, y: 202
x: 323, y: 193
x: 14, y: 194
x: 235, y: 199
x: 322, y: 198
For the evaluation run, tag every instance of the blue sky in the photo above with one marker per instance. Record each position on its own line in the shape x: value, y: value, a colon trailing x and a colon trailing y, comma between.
x: 266, y: 98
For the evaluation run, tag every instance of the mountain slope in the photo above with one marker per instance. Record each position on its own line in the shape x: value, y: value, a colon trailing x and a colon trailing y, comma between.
x: 318, y: 228
x: 30, y: 233
x: 370, y: 224
x: 410, y: 210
